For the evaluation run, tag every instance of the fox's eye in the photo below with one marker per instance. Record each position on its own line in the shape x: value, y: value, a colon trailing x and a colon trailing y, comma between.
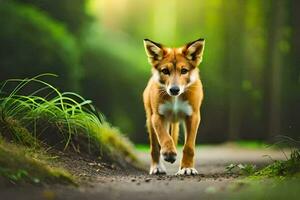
x: 184, y: 71
x: 165, y: 71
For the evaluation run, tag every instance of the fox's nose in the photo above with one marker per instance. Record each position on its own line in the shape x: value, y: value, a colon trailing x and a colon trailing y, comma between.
x: 174, y: 90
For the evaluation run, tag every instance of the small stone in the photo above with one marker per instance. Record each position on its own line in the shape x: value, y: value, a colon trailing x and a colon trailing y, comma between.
x: 147, y: 179
x: 92, y: 164
x: 133, y: 180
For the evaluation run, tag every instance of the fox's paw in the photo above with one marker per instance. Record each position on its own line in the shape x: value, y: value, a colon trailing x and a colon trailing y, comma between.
x: 168, y: 151
x: 187, y: 171
x: 169, y: 155
x: 157, y: 169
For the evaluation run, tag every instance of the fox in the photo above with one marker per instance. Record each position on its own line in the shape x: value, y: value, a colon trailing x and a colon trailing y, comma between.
x: 173, y: 96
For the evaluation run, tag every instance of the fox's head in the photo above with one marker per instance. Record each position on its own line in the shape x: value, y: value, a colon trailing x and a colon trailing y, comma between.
x: 175, y: 69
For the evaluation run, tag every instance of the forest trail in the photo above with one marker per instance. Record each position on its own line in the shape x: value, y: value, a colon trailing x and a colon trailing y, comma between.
x: 211, y: 183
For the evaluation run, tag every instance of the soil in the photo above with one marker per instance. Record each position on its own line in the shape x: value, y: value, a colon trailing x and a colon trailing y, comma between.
x: 100, y: 180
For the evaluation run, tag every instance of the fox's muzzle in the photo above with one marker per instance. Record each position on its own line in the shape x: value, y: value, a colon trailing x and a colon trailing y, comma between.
x: 174, y: 90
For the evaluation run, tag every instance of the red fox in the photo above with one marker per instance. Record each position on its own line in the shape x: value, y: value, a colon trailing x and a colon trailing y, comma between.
x: 174, y: 93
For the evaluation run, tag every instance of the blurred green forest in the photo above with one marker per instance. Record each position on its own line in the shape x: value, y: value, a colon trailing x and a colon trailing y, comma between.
x: 250, y: 72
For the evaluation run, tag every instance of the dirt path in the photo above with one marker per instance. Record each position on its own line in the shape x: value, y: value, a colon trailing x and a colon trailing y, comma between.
x: 209, y: 184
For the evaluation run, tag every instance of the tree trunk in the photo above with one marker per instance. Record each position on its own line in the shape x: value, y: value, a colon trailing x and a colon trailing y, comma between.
x: 272, y: 72
x: 234, y: 48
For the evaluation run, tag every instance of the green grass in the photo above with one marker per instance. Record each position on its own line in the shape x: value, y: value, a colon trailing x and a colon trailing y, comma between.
x: 278, y: 168
x: 241, y: 143
x: 142, y: 147
x: 251, y: 144
x: 281, y: 168
x: 17, y: 164
x: 65, y: 120
x: 290, y: 167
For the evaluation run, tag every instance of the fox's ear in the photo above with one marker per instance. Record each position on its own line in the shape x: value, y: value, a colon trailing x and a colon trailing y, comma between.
x: 194, y: 51
x: 154, y: 50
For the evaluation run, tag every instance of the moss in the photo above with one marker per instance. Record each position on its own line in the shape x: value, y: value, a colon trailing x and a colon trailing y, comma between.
x: 15, y: 131
x: 115, y: 144
x: 20, y: 165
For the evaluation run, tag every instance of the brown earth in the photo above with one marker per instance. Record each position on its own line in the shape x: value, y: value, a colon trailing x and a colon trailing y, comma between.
x: 98, y: 180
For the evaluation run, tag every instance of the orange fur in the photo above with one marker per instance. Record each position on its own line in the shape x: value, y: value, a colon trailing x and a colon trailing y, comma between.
x: 173, y: 68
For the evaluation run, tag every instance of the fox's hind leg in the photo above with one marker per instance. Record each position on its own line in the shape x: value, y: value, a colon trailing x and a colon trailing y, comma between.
x: 187, y: 162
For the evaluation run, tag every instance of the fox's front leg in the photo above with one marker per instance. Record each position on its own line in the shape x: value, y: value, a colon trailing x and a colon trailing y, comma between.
x: 168, y: 150
x: 157, y: 167
x: 187, y: 163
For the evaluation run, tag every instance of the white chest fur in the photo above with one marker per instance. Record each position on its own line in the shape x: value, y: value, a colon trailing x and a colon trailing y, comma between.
x: 175, y: 109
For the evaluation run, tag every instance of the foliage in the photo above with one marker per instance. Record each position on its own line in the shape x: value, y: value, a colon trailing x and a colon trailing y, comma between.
x: 288, y: 167
x: 63, y: 120
x: 249, y: 81
x: 111, y: 70
x: 250, y: 68
x: 244, y: 169
x: 32, y: 43
x: 283, y: 168
x: 70, y: 12
x: 278, y: 168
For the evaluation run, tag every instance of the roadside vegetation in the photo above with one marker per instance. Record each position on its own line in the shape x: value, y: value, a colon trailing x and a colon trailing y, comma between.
x: 45, y: 118
x: 278, y: 180
x: 277, y: 168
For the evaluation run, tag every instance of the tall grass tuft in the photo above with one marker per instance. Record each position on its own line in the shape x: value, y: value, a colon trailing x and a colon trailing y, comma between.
x: 60, y: 119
